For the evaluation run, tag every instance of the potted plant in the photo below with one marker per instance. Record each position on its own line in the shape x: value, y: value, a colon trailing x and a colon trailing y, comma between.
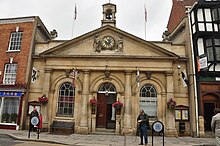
x: 171, y: 104
x: 118, y: 106
x: 5, y: 117
x: 14, y: 117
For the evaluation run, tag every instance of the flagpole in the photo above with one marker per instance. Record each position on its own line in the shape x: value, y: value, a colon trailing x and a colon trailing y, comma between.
x: 72, y: 28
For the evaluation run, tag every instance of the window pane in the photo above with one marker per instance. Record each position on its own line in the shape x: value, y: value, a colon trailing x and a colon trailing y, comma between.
x: 148, y: 100
x: 209, y: 42
x: 192, y: 17
x: 66, y: 99
x: 15, y: 41
x: 209, y: 26
x: 10, y: 110
x: 200, y: 46
x: 201, y: 26
x: 208, y: 15
x: 210, y: 54
x: 217, y: 50
x: 200, y: 15
x: 10, y: 74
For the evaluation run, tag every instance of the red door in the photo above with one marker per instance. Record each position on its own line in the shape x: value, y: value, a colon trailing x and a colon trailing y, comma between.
x: 101, y: 111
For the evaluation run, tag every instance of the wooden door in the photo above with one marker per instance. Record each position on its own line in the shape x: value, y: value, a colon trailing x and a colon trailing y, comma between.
x: 101, y: 111
x: 208, y: 113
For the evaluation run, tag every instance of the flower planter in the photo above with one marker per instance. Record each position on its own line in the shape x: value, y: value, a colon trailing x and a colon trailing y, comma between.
x: 93, y: 104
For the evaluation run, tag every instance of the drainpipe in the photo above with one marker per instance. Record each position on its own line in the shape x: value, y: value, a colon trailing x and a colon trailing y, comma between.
x: 194, y: 75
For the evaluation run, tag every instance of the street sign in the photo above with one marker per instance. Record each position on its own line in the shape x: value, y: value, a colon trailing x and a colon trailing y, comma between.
x: 157, y: 127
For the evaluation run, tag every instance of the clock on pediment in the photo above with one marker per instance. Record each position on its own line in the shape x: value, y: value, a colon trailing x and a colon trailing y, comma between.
x: 108, y: 42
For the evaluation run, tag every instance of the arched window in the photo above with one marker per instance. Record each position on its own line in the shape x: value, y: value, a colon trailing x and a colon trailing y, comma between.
x: 66, y: 99
x: 148, y: 100
x: 107, y: 88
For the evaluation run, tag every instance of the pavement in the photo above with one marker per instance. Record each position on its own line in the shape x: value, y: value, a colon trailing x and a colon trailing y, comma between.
x: 105, y: 140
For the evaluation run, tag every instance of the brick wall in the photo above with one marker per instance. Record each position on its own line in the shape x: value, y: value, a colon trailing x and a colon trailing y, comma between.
x: 21, y: 57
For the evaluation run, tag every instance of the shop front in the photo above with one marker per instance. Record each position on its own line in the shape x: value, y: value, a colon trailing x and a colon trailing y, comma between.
x: 10, y: 109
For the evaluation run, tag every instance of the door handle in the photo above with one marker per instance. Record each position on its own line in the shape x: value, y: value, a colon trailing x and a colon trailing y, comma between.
x: 101, y: 115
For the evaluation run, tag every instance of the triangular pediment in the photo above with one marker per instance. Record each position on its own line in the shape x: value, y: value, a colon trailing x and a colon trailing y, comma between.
x: 98, y: 43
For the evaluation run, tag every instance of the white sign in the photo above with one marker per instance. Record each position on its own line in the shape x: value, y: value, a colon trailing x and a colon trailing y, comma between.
x: 203, y: 62
x: 158, y: 127
x: 34, y: 121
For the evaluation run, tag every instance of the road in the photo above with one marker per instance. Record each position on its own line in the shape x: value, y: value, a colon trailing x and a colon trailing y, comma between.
x: 8, y: 141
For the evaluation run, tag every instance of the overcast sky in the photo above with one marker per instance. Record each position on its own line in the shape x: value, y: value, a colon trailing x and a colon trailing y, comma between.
x: 59, y: 15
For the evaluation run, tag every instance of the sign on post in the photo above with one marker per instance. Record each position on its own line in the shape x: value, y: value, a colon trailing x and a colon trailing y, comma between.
x: 157, y: 127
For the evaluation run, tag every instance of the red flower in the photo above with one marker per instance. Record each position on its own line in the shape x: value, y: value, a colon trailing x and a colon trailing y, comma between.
x: 171, y: 104
x: 117, y: 105
x: 93, y: 102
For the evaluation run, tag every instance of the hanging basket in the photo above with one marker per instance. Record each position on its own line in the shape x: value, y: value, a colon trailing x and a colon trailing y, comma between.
x: 43, y: 99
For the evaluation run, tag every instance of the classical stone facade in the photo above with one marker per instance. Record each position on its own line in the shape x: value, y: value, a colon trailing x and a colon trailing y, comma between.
x: 157, y: 67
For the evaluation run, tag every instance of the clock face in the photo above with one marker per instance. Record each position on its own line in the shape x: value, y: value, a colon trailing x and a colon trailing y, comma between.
x: 108, y: 42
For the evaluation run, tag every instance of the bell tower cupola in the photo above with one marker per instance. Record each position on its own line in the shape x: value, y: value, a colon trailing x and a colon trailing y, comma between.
x: 109, y: 11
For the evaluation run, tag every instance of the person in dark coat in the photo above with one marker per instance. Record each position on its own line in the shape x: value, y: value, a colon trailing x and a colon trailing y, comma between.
x: 143, y: 123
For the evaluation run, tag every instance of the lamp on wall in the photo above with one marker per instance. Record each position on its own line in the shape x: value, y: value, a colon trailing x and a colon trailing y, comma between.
x: 11, y: 60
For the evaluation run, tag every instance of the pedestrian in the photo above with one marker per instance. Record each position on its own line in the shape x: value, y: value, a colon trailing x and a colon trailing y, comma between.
x: 143, y: 124
x: 215, y: 125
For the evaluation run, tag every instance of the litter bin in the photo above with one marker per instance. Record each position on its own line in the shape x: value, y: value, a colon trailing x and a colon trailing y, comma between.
x: 182, y: 127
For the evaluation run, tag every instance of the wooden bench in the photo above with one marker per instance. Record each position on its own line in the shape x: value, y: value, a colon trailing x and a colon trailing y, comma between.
x: 62, y: 127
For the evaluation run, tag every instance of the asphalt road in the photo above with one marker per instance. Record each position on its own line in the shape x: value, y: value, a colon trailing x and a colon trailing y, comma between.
x: 8, y: 141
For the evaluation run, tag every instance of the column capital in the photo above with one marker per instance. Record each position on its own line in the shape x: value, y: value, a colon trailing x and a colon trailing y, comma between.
x: 86, y: 71
x: 48, y: 70
x: 127, y: 72
x: 169, y: 73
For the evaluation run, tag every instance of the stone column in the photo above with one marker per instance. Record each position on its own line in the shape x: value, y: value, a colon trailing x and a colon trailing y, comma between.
x: 46, y: 91
x: 84, y: 108
x: 170, y: 120
x: 127, y: 103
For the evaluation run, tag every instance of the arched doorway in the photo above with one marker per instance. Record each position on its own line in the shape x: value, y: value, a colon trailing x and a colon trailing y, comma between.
x: 106, y: 96
x: 210, y: 102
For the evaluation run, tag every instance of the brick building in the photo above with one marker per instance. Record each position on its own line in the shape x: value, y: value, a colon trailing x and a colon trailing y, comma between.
x: 17, y: 41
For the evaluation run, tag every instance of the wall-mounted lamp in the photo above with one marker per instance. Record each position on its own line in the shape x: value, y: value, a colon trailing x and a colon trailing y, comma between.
x: 179, y: 66
x: 11, y: 60
x: 106, y: 93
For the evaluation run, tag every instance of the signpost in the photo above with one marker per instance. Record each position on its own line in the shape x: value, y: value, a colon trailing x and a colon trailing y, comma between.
x: 157, y: 127
x: 34, y: 121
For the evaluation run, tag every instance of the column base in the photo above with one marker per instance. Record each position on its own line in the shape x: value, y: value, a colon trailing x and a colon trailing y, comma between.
x: 127, y: 131
x: 201, y: 126
x: 171, y: 133
x: 82, y: 130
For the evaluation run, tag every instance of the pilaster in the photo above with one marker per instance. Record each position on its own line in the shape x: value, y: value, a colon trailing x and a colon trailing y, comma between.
x: 170, y: 120
x: 83, y: 127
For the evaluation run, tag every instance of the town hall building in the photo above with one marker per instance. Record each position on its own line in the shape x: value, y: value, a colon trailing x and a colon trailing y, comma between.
x: 108, y: 66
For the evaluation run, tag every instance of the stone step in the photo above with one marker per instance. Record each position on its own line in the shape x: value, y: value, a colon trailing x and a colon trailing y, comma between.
x: 103, y: 131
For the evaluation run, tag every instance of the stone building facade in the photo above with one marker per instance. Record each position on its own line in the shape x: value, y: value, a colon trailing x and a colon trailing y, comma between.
x: 110, y: 65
